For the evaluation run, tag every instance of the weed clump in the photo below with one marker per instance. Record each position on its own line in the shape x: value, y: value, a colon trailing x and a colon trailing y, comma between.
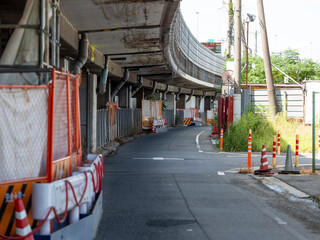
x: 263, y: 129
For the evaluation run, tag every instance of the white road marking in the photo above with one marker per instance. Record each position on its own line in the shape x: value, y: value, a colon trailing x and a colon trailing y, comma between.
x: 160, y: 159
x: 197, y: 141
x: 279, y: 221
x: 220, y: 173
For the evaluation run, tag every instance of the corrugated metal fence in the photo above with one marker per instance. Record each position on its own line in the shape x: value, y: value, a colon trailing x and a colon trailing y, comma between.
x: 114, y: 124
x: 129, y: 121
x: 290, y: 100
x: 169, y: 115
x: 180, y: 116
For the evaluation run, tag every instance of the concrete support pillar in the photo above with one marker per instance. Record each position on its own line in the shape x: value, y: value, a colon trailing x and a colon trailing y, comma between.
x: 129, y: 96
x: 191, y: 103
x: 92, y: 118
x: 182, y: 101
x: 124, y: 97
x: 172, y: 104
x: 201, y: 104
x: 207, y: 103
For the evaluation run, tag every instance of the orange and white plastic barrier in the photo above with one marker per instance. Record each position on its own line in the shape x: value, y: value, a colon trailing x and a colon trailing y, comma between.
x: 221, y: 140
x: 23, y: 228
x: 249, y: 149
x: 274, y: 150
x: 296, y: 164
x: 278, y: 142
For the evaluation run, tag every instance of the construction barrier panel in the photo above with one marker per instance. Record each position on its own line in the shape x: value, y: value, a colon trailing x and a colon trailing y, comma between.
x: 40, y: 135
x: 151, y: 110
x: 190, y: 115
x: 211, y: 116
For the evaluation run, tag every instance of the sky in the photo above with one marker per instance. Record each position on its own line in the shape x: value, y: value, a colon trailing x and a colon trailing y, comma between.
x: 290, y: 23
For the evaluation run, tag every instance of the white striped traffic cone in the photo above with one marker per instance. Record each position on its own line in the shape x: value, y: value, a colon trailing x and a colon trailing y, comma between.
x: 22, y: 223
x: 264, y: 159
x: 264, y: 170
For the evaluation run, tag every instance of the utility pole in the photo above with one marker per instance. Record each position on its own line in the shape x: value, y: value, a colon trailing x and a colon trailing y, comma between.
x: 256, y: 43
x: 266, y: 58
x: 230, y: 26
x: 237, y: 61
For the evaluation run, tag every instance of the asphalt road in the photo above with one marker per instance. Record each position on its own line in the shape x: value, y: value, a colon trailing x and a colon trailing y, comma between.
x: 175, y: 186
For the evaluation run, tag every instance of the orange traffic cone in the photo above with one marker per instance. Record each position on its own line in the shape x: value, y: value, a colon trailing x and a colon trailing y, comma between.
x: 22, y: 224
x: 264, y: 170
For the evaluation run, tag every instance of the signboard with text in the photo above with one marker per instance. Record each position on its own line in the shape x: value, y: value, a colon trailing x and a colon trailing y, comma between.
x: 213, y: 46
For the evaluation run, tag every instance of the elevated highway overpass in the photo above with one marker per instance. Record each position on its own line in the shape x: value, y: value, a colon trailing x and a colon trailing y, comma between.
x: 127, y: 50
x: 74, y: 75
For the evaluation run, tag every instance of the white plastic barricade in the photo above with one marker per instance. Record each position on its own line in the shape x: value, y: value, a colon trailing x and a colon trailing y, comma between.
x: 159, y: 122
x: 75, y: 194
x: 187, y: 113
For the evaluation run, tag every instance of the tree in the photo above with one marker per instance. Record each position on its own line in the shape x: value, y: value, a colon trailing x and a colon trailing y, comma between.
x: 289, y: 62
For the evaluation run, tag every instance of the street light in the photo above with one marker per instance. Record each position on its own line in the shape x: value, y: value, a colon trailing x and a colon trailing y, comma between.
x: 250, y: 18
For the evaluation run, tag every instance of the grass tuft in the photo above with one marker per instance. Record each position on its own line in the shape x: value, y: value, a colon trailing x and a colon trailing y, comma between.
x: 307, y: 171
x: 263, y: 129
x: 246, y: 170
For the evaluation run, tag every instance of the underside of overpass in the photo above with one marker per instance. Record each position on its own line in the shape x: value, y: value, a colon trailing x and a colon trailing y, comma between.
x: 134, y: 35
x: 127, y: 51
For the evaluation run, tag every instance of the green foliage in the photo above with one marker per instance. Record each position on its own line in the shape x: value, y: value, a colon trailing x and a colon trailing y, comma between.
x: 236, y: 138
x: 177, y: 120
x: 289, y: 62
x: 164, y: 105
x: 263, y: 129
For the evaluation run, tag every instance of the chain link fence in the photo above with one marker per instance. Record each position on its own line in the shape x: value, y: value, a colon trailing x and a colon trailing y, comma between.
x: 23, y: 132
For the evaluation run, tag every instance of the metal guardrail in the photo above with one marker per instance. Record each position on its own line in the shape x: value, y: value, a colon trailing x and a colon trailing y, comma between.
x: 190, y: 56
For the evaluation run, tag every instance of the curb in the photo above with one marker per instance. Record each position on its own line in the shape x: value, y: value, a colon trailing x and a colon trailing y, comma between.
x: 272, y: 181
